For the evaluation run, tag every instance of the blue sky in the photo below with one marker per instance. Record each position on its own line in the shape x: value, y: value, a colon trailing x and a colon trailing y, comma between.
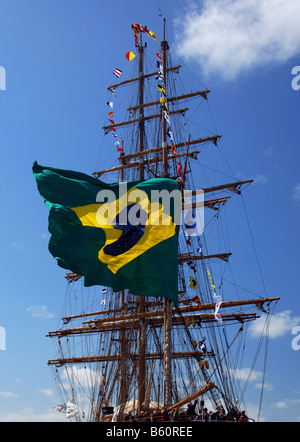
x: 58, y: 57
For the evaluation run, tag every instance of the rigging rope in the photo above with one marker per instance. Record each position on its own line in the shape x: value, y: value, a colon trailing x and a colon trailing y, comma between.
x: 265, y: 365
x: 253, y: 243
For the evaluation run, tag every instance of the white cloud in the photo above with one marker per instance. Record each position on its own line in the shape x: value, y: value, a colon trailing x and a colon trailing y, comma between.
x: 287, y: 403
x: 267, y: 387
x: 267, y: 152
x: 8, y: 394
x: 18, y: 246
x: 280, y: 404
x: 47, y: 392
x: 296, y: 193
x: 229, y: 37
x: 280, y: 324
x: 29, y: 415
x: 243, y: 374
x: 260, y: 179
x: 83, y: 377
x: 257, y: 179
x: 40, y: 311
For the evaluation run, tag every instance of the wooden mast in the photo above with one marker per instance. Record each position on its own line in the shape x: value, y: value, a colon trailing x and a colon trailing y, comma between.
x: 141, y: 305
x: 123, y: 364
x: 167, y: 301
x: 141, y: 308
x: 141, y: 108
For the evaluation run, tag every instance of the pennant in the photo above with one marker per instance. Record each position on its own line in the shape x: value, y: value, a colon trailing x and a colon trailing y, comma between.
x: 159, y: 65
x: 199, y: 248
x: 161, y: 89
x: 103, y: 291
x: 60, y: 407
x: 167, y: 117
x: 218, y: 302
x: 112, y: 121
x: 174, y: 150
x: 158, y: 56
x: 111, y: 114
x: 151, y: 33
x: 189, y: 220
x: 163, y: 101
x: 179, y: 168
x: 139, y: 28
x: 144, y: 29
x: 119, y: 148
x: 217, y: 299
x: 160, y: 76
x: 197, y: 300
x: 136, y: 28
x: 117, y: 72
x: 170, y: 133
x: 103, y: 302
x: 110, y: 104
x: 111, y: 90
x: 261, y: 307
x: 71, y: 410
x: 191, y: 265
x: 160, y: 72
x: 130, y: 56
x: 193, y: 283
x: 203, y: 346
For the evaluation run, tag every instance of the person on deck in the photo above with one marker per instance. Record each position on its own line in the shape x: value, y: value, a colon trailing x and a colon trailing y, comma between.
x: 232, y: 415
x: 191, y: 409
x: 243, y: 417
x: 129, y: 416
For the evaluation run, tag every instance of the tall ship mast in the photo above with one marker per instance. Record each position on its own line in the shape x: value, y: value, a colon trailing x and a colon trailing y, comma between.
x: 117, y: 351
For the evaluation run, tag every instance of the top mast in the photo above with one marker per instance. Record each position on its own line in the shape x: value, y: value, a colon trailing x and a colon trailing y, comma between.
x: 141, y: 308
x: 164, y: 46
x: 141, y: 108
x: 167, y: 301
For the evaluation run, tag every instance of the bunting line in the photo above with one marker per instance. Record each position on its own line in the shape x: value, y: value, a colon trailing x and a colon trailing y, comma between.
x: 217, y: 299
x: 137, y: 28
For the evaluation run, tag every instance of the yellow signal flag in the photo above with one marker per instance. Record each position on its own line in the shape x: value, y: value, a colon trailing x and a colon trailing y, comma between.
x: 151, y: 33
x: 164, y: 102
x: 193, y: 283
x: 130, y: 55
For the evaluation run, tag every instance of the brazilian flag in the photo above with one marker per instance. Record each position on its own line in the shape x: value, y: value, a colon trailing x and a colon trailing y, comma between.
x: 113, y: 234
